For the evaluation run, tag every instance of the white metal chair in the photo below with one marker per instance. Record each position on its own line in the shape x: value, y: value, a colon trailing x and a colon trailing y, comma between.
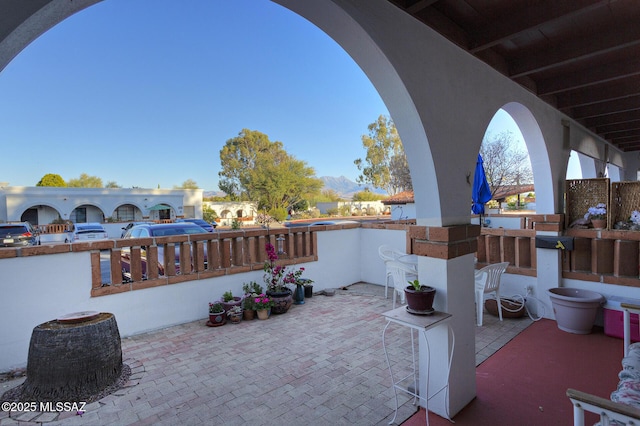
x: 388, y: 253
x: 401, y: 274
x: 488, y: 281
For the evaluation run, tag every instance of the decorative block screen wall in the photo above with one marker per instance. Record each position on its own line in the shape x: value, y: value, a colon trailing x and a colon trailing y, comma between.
x: 584, y: 193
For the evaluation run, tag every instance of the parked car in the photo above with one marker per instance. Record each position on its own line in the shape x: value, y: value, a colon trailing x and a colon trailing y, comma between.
x: 209, y: 227
x: 18, y: 235
x: 156, y: 230
x: 318, y: 222
x: 130, y: 225
x: 86, y: 232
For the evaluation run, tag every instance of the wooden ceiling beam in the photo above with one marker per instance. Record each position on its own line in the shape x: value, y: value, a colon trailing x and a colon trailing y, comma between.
x: 418, y: 6
x: 604, y: 73
x: 609, y: 119
x: 533, y: 17
x: 572, y: 51
x: 619, y: 127
x: 599, y: 94
x: 620, y: 105
x: 626, y: 134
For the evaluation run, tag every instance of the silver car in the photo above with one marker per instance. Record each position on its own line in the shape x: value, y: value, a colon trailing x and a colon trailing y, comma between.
x: 86, y: 232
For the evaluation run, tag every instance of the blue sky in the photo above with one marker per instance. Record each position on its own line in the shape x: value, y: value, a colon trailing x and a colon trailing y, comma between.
x: 146, y: 93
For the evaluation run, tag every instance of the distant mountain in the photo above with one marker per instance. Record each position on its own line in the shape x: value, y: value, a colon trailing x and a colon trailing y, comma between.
x: 208, y: 194
x: 345, y: 187
x: 341, y: 185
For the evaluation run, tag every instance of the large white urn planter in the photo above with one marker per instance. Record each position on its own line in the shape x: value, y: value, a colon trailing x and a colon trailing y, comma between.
x: 575, y: 309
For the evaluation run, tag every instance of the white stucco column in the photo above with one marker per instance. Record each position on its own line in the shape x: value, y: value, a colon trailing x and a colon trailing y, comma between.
x: 446, y: 263
x: 442, y: 100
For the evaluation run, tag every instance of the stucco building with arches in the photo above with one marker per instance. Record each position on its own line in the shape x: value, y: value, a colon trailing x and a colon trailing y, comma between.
x: 45, y: 205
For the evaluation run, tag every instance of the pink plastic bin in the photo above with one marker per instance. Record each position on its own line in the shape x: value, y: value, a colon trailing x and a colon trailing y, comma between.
x: 614, y: 325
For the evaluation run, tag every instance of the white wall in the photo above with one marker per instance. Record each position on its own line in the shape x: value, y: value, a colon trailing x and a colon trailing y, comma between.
x: 372, y: 269
x: 37, y: 289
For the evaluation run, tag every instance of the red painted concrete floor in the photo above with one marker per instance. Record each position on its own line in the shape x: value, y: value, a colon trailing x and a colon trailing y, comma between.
x: 525, y: 382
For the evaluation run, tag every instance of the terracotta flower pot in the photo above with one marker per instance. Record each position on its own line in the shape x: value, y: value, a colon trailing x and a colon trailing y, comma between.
x: 263, y: 314
x: 599, y: 223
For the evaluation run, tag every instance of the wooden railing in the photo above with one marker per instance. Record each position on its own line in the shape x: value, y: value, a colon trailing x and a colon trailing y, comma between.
x: 193, y: 257
x: 609, y: 257
x: 516, y: 246
x: 54, y: 228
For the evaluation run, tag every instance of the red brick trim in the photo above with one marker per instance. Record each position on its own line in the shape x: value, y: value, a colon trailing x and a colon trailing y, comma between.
x: 446, y: 242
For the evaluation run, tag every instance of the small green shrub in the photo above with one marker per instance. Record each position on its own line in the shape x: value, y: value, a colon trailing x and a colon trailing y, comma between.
x: 333, y: 211
x: 227, y: 296
x: 278, y: 213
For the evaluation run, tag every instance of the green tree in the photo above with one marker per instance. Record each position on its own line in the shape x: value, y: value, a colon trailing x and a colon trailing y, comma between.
x: 112, y: 184
x: 187, y: 184
x: 254, y: 168
x: 385, y: 165
x: 52, y: 179
x: 85, y: 181
x: 208, y: 213
x: 367, y: 195
x: 504, y: 163
x: 326, y: 196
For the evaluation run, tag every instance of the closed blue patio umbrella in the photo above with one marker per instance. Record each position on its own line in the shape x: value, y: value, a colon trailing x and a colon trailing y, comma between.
x: 481, y: 193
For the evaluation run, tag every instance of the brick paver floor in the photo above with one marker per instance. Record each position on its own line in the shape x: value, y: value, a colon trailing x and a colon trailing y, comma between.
x: 321, y: 363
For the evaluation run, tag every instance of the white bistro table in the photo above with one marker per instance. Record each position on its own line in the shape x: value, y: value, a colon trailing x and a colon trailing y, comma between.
x: 409, y: 259
x: 422, y: 324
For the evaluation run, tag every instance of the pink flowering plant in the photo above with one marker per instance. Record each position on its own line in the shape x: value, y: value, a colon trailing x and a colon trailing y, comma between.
x: 277, y: 277
x: 262, y: 301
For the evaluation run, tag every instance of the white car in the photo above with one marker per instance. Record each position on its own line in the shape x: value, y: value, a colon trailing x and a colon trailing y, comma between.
x: 86, y: 232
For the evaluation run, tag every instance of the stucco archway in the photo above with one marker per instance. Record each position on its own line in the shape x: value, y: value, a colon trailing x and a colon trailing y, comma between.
x: 441, y: 100
x: 538, y: 155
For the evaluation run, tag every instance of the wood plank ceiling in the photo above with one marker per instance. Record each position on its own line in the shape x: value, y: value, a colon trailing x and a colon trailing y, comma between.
x: 581, y: 56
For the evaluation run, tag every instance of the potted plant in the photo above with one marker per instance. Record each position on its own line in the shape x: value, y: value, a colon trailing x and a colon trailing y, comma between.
x: 308, y: 287
x: 419, y: 298
x: 217, y: 315
x: 597, y: 215
x: 251, y: 290
x: 229, y: 300
x: 298, y: 293
x: 276, y: 277
x: 248, y: 308
x: 235, y: 314
x: 263, y: 303
x: 252, y: 287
